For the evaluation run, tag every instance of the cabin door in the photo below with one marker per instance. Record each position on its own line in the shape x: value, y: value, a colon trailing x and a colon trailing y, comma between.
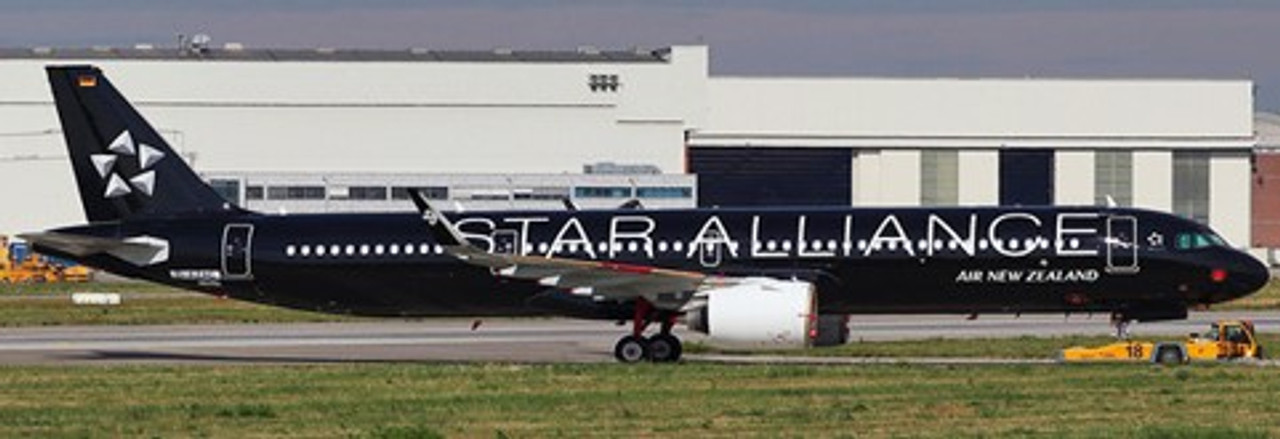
x: 709, y: 251
x: 237, y: 252
x: 1122, y: 245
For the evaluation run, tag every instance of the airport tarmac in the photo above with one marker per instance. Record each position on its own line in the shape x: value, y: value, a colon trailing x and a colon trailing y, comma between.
x: 514, y: 340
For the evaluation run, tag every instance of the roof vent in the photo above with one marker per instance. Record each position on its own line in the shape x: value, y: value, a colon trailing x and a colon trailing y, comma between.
x: 419, y: 51
x: 200, y: 43
x: 504, y: 51
x: 143, y: 46
x: 42, y: 50
x: 233, y: 47
x: 101, y: 48
x: 588, y: 50
x: 326, y: 50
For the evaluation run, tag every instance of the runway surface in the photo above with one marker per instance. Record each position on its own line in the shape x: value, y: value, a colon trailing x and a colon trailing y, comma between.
x: 516, y: 340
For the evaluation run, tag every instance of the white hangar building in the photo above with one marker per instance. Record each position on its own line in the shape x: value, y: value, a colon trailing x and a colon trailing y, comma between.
x: 324, y: 129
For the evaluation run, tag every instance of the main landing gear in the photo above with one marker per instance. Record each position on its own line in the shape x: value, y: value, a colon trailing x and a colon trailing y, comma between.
x: 662, y: 347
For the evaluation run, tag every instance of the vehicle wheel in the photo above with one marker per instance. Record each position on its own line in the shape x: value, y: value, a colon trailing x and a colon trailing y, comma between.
x: 1169, y: 356
x: 631, y: 349
x: 665, y: 348
x: 1259, y: 354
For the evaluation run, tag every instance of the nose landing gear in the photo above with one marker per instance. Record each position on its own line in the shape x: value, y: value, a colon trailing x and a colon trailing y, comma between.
x: 1121, y: 323
x: 662, y: 347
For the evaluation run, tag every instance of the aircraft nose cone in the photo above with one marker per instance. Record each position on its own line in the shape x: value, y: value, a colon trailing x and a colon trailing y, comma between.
x: 1248, y: 275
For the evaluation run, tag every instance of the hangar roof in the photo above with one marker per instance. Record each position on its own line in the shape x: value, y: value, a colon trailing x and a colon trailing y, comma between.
x: 236, y: 53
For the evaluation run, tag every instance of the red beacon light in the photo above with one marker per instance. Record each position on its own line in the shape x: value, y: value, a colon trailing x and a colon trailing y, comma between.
x: 1218, y: 275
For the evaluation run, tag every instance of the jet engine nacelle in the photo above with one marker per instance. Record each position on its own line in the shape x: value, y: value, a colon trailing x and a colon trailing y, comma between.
x: 759, y: 313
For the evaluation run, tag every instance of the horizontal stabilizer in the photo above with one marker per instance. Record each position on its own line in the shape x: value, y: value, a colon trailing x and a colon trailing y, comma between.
x: 141, y: 250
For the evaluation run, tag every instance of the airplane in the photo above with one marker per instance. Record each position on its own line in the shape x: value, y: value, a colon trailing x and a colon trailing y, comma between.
x: 752, y: 277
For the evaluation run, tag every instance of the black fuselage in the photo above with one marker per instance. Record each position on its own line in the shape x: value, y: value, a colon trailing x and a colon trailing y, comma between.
x: 863, y: 260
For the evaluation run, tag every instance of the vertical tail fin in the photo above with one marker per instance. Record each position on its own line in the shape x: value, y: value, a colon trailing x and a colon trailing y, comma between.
x: 123, y: 168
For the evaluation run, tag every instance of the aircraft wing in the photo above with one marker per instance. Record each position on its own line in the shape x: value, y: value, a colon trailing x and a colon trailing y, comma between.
x: 608, y: 280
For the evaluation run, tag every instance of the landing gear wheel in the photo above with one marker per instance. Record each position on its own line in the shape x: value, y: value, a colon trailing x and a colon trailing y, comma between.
x: 665, y: 348
x: 631, y: 349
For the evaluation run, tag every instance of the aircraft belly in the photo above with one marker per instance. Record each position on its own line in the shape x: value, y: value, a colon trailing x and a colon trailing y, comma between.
x: 406, y: 289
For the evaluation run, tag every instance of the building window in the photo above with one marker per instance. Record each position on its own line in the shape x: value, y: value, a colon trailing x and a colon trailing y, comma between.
x: 1113, y: 176
x: 226, y: 188
x: 367, y: 193
x: 253, y: 193
x: 602, y: 192
x: 603, y: 83
x: 1191, y: 185
x: 483, y: 193
x: 541, y: 193
x: 939, y: 177
x: 363, y: 193
x: 295, y: 193
x: 431, y: 192
x: 664, y: 192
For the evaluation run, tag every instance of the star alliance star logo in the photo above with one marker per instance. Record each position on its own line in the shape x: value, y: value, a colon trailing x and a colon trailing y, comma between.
x: 1155, y: 239
x: 144, y: 180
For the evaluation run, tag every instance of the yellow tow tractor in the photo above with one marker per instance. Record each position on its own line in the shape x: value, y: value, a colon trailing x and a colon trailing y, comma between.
x: 24, y: 266
x: 1225, y: 340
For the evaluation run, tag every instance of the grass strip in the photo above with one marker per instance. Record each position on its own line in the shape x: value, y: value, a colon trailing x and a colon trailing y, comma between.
x: 497, y: 400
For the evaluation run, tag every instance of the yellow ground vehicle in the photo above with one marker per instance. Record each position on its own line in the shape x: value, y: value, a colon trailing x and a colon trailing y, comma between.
x: 6, y: 265
x: 1225, y: 340
x: 76, y: 273
x: 33, y: 268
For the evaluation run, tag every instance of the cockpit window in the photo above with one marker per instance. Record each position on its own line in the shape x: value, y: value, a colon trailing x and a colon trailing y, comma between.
x: 1217, y: 240
x: 1188, y: 241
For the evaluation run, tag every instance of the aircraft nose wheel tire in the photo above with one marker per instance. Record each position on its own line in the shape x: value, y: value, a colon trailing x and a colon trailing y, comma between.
x: 631, y: 349
x: 665, y: 348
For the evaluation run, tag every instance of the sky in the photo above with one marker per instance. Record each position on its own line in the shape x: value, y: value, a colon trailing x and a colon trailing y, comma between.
x: 912, y: 38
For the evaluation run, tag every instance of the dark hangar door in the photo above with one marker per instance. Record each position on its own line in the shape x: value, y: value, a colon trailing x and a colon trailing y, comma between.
x: 1026, y: 177
x: 745, y: 176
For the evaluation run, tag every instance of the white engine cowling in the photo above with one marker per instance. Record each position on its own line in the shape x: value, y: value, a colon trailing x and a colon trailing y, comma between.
x: 759, y: 313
